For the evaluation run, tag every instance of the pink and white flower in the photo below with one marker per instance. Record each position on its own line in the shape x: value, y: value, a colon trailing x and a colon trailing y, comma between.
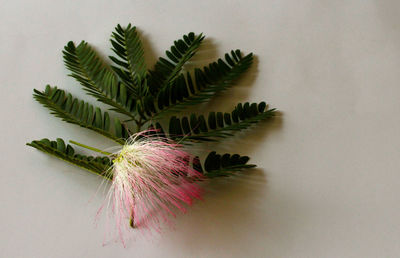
x: 152, y: 179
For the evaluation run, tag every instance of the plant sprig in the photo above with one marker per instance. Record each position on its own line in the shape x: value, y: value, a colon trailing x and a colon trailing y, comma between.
x: 145, y: 96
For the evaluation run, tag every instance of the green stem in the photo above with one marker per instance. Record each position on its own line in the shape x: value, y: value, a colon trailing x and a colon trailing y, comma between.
x: 139, y: 125
x: 90, y: 148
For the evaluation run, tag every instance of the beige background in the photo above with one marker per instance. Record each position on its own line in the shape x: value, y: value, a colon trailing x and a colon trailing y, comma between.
x: 328, y: 182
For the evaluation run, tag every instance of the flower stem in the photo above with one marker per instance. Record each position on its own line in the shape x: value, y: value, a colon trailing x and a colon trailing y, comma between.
x: 90, y: 148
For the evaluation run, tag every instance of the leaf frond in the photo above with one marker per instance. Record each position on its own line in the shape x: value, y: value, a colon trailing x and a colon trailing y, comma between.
x: 218, y: 125
x: 167, y: 69
x: 217, y: 165
x: 98, y: 165
x: 97, y: 78
x: 188, y: 91
x: 78, y: 112
x: 130, y: 64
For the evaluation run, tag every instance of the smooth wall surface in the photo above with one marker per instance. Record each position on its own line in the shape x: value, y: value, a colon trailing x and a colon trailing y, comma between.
x: 328, y: 181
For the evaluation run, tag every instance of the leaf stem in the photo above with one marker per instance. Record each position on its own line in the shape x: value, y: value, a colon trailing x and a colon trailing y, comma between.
x: 139, y: 124
x: 90, y: 148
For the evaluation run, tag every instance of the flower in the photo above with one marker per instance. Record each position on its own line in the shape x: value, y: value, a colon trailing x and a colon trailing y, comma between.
x: 152, y: 179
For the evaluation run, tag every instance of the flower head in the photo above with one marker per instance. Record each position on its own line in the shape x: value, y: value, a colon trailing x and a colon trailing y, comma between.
x: 152, y: 179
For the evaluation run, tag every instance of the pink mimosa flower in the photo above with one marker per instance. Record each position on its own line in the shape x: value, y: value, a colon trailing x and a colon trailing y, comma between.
x: 152, y: 179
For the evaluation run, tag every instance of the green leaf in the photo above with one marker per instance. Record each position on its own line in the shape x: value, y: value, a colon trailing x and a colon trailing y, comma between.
x: 75, y: 111
x: 99, y: 165
x: 217, y: 165
x: 219, y: 125
x: 185, y: 91
x: 165, y: 71
x: 97, y: 78
x: 130, y: 64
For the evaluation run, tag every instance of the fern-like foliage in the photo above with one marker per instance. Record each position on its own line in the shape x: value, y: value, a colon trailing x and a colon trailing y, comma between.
x: 188, y: 90
x: 166, y: 70
x: 145, y: 96
x: 218, y: 124
x: 130, y: 64
x: 217, y: 165
x: 98, y: 165
x: 97, y: 78
x: 75, y: 111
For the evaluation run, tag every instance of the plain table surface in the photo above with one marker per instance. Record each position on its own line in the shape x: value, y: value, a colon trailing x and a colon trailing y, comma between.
x: 328, y: 176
